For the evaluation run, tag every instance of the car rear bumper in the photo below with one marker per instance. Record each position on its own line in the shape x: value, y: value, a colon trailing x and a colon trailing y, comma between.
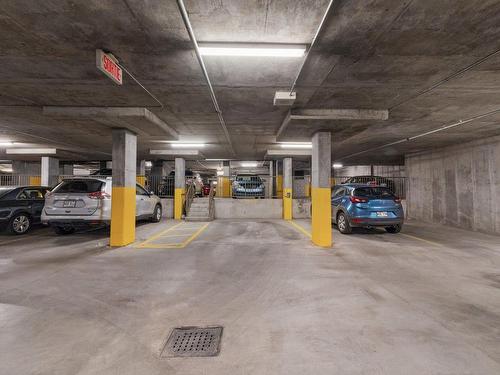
x: 76, y: 223
x: 244, y: 194
x: 372, y: 222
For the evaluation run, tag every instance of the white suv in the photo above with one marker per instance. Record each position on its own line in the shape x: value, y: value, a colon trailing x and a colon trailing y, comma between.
x: 85, y: 202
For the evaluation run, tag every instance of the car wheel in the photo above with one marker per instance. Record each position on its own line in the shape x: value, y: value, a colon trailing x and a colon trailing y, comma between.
x: 394, y: 229
x: 20, y: 224
x: 343, y: 224
x: 64, y: 230
x: 156, y: 214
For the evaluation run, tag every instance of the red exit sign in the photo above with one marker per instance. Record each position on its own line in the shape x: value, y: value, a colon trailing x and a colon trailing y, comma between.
x: 107, y: 64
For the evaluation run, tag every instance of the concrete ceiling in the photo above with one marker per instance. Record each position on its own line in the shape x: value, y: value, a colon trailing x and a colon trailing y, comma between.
x: 431, y: 63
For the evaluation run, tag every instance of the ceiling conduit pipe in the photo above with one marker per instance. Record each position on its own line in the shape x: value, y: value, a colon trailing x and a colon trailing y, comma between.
x: 190, y: 31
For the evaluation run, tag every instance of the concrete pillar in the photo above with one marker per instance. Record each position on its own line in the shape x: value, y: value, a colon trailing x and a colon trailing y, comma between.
x: 49, y: 171
x: 141, y: 172
x: 67, y: 169
x: 321, y: 190
x: 287, y: 188
x: 123, y: 193
x: 279, y: 179
x: 271, y: 179
x: 180, y: 187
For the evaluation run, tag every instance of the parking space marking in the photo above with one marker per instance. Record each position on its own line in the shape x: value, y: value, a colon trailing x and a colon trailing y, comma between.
x: 422, y: 239
x: 150, y: 244
x: 301, y: 229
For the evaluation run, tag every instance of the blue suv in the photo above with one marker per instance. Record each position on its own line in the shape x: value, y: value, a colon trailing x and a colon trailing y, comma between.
x: 364, y: 205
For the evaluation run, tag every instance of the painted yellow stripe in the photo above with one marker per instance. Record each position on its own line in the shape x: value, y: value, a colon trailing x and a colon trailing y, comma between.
x: 421, y: 239
x: 171, y: 245
x: 301, y: 229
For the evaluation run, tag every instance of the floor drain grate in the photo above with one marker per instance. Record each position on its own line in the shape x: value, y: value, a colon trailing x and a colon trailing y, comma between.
x: 193, y: 342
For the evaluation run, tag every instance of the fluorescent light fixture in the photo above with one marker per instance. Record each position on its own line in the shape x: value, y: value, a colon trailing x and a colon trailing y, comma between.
x: 253, y: 50
x: 220, y: 173
x: 337, y: 165
x: 306, y: 145
x: 31, y: 151
x: 187, y: 145
x: 4, y: 143
x: 249, y: 164
x: 148, y: 164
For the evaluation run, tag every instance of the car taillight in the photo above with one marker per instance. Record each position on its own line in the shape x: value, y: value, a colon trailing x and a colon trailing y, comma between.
x: 397, y: 199
x: 99, y: 195
x: 358, y: 200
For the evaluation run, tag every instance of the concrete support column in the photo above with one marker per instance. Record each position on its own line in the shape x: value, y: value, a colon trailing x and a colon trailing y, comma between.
x: 180, y: 187
x: 287, y: 188
x: 67, y: 169
x: 279, y: 179
x: 141, y: 172
x: 271, y: 179
x: 123, y: 193
x: 321, y: 190
x: 49, y: 171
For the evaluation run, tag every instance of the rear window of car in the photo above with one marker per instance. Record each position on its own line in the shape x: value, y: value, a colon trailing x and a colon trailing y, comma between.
x: 79, y: 186
x: 374, y: 192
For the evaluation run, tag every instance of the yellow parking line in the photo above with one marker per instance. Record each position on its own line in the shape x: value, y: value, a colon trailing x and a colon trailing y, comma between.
x: 422, y: 239
x: 171, y: 245
x: 304, y: 231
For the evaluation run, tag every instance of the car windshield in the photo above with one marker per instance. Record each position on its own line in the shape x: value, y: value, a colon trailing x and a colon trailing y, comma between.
x: 79, y: 186
x: 374, y: 192
x: 248, y: 178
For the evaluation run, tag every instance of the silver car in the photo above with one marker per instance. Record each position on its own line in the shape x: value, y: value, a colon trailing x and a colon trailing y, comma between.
x: 86, y: 202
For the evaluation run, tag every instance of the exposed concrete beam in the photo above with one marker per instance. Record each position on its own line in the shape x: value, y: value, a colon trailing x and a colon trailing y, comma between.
x: 111, y: 112
x: 284, y: 124
x: 332, y: 114
x: 339, y: 114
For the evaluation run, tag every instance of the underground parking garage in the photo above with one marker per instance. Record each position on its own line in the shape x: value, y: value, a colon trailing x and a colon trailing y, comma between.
x: 250, y: 187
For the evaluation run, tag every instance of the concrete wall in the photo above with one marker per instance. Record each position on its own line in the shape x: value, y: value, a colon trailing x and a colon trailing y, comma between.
x: 226, y: 208
x: 301, y: 208
x: 378, y: 170
x: 457, y: 185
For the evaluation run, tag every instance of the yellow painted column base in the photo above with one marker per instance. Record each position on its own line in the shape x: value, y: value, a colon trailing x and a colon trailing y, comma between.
x: 279, y: 186
x: 226, y: 187
x: 141, y: 180
x: 178, y: 202
x: 35, y: 181
x: 321, y: 217
x: 122, y: 216
x: 287, y: 204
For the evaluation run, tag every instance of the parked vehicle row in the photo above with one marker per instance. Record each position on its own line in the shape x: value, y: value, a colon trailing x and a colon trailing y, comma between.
x: 73, y: 204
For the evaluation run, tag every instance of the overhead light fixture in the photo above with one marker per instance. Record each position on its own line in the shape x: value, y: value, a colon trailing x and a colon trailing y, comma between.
x: 4, y: 143
x: 249, y: 164
x: 187, y: 145
x: 31, y: 151
x: 296, y: 145
x: 148, y: 164
x: 220, y: 173
x: 337, y: 165
x: 253, y: 50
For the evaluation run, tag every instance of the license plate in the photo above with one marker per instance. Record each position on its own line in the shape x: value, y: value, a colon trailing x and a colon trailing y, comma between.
x: 381, y: 214
x: 69, y: 203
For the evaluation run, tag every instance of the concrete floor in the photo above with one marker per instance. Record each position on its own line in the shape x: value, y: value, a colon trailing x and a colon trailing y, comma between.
x: 426, y: 301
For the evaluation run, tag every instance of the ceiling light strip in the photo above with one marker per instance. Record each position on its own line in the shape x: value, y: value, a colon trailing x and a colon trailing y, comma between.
x: 190, y: 31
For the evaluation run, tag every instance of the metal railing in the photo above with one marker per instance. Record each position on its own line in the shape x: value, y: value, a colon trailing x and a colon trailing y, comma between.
x: 19, y: 180
x: 190, y: 194
x: 396, y: 184
x: 211, y: 202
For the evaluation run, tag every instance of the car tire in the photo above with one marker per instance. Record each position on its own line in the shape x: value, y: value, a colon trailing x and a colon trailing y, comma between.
x: 64, y: 230
x: 394, y: 229
x: 20, y: 224
x: 156, y: 214
x: 343, y: 224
